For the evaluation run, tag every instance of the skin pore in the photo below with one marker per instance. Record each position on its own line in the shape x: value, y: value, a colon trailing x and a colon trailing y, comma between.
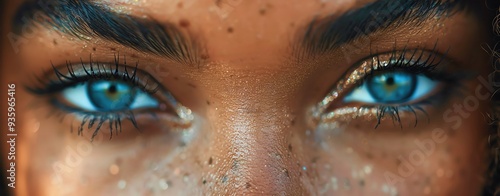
x: 251, y: 77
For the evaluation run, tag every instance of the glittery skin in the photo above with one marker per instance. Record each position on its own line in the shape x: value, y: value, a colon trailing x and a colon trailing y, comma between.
x: 244, y: 117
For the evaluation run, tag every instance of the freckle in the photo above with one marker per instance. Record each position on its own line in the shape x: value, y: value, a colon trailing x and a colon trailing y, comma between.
x: 262, y: 11
x: 210, y: 160
x: 208, y: 102
x: 180, y: 5
x: 114, y: 169
x: 347, y: 184
x: 290, y: 147
x: 54, y: 41
x: 93, y: 49
x: 292, y: 122
x: 205, y: 56
x: 362, y: 183
x: 176, y: 78
x: 248, y: 185
x: 204, y: 181
x: 191, y: 85
x: 292, y: 24
x: 184, y: 23
x: 218, y: 3
x: 286, y: 173
x: 314, y: 159
x: 224, y: 179
x: 369, y: 155
x: 230, y: 30
x: 112, y: 49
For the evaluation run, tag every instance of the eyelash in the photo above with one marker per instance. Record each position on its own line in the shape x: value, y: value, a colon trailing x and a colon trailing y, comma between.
x: 399, y: 60
x: 96, y: 71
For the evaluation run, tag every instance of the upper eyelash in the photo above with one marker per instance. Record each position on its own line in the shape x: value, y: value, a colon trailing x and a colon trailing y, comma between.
x: 408, y: 60
x: 100, y: 71
x: 108, y: 72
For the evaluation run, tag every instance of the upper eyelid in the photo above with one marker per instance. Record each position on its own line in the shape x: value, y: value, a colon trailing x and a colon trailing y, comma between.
x: 366, y: 66
x: 82, y: 71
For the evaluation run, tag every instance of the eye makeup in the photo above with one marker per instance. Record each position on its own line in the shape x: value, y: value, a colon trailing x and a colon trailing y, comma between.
x: 429, y: 63
x: 113, y: 79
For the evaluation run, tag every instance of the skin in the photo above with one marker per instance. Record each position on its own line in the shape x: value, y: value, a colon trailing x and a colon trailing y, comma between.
x: 250, y: 99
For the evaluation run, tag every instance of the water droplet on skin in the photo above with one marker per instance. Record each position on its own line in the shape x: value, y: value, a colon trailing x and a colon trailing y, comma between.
x: 335, y: 183
x: 367, y: 169
x: 385, y: 188
x: 163, y: 184
x: 122, y: 184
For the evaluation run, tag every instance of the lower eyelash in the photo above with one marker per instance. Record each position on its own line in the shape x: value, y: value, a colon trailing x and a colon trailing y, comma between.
x: 414, y: 61
x: 395, y: 112
x: 97, y: 120
x: 89, y: 119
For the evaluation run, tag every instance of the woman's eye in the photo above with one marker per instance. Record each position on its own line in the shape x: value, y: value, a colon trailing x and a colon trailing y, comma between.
x: 396, y: 87
x: 108, y: 96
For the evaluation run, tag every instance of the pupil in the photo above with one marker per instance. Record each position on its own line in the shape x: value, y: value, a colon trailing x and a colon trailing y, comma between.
x: 112, y: 89
x: 390, y: 81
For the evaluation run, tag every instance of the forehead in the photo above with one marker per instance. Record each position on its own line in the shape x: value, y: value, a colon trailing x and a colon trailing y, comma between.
x: 237, y: 28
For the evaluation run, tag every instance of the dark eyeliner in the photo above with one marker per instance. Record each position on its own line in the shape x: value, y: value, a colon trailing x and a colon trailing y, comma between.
x: 83, y: 72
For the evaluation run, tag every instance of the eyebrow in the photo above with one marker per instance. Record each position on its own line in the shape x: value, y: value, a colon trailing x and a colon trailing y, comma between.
x: 85, y: 20
x: 328, y: 33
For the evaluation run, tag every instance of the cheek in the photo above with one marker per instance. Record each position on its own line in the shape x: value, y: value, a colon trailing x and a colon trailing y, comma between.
x: 431, y: 159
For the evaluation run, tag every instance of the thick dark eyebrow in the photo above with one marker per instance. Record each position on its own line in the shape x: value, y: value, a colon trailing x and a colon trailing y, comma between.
x: 328, y: 33
x: 84, y: 19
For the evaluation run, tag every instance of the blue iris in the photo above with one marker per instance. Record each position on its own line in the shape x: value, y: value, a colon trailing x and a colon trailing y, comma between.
x: 392, y: 87
x: 111, y: 95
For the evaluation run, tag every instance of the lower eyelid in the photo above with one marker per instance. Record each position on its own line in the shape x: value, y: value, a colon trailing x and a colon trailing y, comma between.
x: 407, y: 114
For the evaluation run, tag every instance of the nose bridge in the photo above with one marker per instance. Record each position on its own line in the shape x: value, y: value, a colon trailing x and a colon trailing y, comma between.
x: 252, y: 134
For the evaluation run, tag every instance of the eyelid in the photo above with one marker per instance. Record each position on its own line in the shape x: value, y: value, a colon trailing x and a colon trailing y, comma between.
x: 73, y: 74
x: 403, y: 60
